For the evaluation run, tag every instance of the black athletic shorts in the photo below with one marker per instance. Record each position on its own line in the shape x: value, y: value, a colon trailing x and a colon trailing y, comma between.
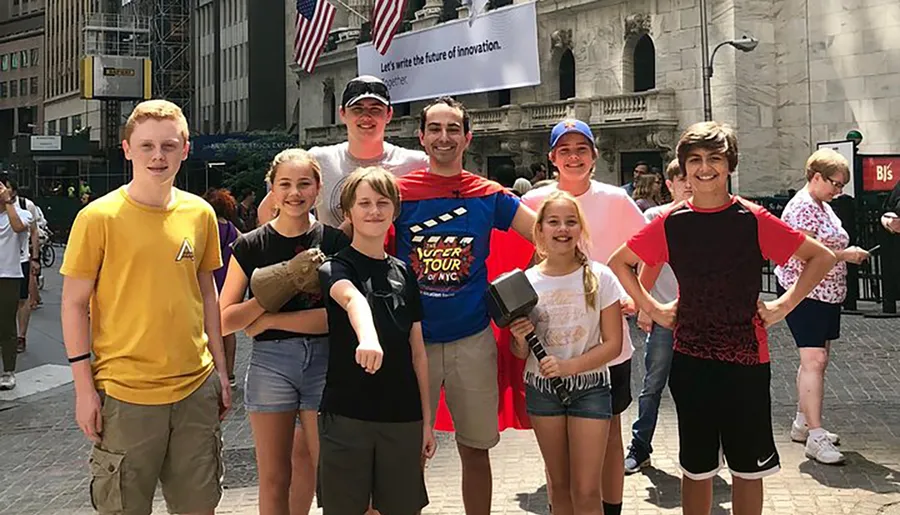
x: 361, y: 460
x: 724, y: 410
x: 814, y: 322
x: 23, y: 284
x: 620, y: 383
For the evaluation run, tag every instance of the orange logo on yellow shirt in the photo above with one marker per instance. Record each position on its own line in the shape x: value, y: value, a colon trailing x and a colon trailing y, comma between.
x: 186, y: 252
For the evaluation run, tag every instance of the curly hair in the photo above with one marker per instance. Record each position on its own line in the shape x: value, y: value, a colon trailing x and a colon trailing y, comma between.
x: 222, y: 202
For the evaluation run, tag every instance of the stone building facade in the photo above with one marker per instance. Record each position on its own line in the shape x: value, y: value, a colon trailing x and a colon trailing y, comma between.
x: 632, y: 69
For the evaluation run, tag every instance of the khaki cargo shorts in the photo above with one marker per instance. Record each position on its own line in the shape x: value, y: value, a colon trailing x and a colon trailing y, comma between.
x: 179, y: 445
x: 467, y: 368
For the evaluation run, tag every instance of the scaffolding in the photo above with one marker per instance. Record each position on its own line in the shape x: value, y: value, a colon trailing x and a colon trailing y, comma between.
x: 170, y: 47
x: 110, y: 33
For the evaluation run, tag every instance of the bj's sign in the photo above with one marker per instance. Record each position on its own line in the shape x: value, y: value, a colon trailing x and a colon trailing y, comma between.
x: 880, y: 173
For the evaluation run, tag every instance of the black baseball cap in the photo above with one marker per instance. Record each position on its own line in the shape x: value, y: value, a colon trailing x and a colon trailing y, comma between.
x: 365, y: 86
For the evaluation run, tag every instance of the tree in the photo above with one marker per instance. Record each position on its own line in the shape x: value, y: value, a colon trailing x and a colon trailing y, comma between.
x: 248, y: 157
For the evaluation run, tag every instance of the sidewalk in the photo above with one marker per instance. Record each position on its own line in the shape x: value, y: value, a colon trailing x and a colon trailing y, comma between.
x: 45, y: 466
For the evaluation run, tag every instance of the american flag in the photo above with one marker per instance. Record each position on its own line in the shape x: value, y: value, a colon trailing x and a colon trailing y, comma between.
x: 314, y: 20
x: 387, y: 15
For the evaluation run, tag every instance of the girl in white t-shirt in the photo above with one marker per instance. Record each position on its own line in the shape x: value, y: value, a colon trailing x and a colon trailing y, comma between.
x: 579, y: 321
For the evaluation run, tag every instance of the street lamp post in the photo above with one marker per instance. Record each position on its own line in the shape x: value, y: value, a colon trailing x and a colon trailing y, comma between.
x: 208, y: 167
x: 744, y: 44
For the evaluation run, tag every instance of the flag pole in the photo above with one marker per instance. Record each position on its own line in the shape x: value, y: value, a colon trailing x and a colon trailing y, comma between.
x: 351, y: 10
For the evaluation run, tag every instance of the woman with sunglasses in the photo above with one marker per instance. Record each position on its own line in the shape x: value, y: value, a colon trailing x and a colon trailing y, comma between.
x: 816, y: 321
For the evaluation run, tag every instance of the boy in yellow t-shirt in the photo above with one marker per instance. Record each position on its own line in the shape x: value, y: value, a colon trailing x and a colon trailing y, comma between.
x: 140, y: 261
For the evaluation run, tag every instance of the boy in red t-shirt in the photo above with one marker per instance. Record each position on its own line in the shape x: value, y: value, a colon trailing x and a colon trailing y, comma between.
x: 716, y: 244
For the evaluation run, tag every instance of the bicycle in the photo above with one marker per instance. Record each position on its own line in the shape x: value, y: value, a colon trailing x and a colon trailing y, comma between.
x: 47, y: 252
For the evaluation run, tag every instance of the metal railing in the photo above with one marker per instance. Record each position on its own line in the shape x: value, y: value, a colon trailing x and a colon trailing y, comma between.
x: 865, y: 281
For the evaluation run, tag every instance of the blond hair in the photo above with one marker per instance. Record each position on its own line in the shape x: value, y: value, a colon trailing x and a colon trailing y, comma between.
x: 828, y: 163
x: 156, y: 110
x: 379, y: 179
x: 589, y: 280
x: 673, y: 170
x: 294, y: 155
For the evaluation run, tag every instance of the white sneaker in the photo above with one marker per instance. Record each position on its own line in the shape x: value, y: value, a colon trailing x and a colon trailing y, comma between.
x: 800, y: 434
x: 7, y: 381
x: 822, y: 450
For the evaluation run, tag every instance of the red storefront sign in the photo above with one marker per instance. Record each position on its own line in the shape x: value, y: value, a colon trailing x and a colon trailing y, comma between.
x: 880, y: 173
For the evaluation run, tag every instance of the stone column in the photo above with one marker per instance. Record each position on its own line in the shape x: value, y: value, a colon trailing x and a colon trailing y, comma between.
x: 363, y: 7
x: 428, y: 15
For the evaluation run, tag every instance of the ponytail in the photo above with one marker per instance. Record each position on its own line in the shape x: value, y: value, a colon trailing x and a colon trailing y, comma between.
x: 588, y: 279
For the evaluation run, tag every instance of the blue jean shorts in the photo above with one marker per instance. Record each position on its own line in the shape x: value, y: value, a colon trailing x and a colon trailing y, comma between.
x: 286, y: 375
x: 594, y: 402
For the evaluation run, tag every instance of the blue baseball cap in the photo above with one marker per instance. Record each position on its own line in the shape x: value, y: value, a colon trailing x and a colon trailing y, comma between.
x: 571, y: 125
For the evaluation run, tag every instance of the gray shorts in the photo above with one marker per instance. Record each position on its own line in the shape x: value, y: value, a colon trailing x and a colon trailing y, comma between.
x: 361, y: 460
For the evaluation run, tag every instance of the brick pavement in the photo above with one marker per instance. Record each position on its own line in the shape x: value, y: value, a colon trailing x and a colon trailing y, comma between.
x: 45, y: 472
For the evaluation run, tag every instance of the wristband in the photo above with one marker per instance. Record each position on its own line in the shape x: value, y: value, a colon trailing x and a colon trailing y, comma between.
x: 83, y: 357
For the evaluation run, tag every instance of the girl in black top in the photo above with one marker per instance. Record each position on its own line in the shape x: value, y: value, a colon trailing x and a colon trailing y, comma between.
x: 290, y: 348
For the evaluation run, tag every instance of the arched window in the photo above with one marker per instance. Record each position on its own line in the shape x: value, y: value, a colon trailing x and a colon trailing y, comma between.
x: 567, y: 75
x: 644, y: 64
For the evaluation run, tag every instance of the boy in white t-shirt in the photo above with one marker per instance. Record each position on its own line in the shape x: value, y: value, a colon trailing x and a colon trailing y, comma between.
x: 658, y: 346
x: 13, y: 221
x: 613, y: 218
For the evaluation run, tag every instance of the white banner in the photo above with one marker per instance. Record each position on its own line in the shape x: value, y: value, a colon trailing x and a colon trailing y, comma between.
x: 498, y: 51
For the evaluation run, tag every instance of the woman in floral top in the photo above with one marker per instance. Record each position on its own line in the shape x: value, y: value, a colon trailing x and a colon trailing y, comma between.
x: 816, y: 321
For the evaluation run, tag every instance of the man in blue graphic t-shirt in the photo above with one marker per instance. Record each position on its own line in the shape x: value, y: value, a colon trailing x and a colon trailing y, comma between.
x: 444, y: 233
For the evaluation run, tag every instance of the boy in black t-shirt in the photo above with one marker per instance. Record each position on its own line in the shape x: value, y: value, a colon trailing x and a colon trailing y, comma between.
x: 716, y: 244
x: 371, y: 429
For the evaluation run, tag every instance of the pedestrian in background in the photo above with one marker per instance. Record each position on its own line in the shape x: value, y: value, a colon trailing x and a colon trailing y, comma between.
x: 816, y: 322
x: 225, y: 207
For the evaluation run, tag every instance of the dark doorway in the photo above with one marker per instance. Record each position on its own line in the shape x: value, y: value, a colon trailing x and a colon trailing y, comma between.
x: 567, y: 76
x: 627, y: 160
x: 644, y: 65
x: 501, y: 169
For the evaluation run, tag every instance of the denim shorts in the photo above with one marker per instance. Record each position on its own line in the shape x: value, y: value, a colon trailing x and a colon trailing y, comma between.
x: 594, y: 402
x: 286, y: 375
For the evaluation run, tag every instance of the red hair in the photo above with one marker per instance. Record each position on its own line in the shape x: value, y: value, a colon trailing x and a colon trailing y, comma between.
x: 222, y: 202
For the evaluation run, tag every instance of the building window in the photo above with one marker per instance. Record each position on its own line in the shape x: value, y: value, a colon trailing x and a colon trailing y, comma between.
x: 13, y: 88
x: 567, y: 75
x: 15, y: 60
x: 4, y: 62
x: 644, y: 65
x: 64, y: 126
x: 34, y: 86
x: 34, y: 56
x: 401, y: 109
x: 51, y: 127
x: 23, y: 56
x: 23, y: 86
x: 4, y: 89
x: 76, y: 122
x: 499, y: 98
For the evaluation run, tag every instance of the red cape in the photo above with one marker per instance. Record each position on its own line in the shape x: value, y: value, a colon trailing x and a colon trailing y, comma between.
x: 508, y: 251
